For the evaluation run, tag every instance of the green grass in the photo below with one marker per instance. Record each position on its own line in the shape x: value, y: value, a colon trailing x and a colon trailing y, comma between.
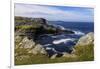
x: 24, y: 27
x: 42, y: 59
x: 84, y: 53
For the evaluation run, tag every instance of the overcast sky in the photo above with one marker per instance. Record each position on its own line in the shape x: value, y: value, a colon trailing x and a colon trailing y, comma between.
x: 55, y: 13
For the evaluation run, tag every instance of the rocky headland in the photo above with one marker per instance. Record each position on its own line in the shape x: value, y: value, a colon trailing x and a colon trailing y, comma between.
x: 28, y: 31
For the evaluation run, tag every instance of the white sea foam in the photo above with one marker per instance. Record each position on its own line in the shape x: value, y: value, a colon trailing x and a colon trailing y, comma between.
x: 59, y: 26
x: 49, y: 48
x: 47, y: 45
x: 62, y: 40
x: 56, y: 36
x: 79, y: 33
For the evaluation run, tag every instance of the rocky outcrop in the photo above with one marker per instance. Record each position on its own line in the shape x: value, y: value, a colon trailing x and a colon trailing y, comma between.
x: 41, y: 24
x: 29, y: 45
x: 26, y: 43
x: 86, y: 39
x: 29, y: 21
x: 38, y: 49
x: 40, y: 21
x: 23, y: 42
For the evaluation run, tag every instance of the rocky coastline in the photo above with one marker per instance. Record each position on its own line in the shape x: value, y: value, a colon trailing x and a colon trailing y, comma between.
x: 27, y: 32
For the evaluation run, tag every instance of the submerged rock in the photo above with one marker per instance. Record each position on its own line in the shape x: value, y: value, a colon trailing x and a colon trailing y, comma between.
x: 86, y: 39
x: 52, y: 53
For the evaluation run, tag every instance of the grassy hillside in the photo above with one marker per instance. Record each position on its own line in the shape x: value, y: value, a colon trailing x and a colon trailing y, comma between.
x: 83, y: 53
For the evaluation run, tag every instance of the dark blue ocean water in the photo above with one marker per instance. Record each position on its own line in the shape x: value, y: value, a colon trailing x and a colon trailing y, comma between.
x: 84, y: 27
x: 65, y: 42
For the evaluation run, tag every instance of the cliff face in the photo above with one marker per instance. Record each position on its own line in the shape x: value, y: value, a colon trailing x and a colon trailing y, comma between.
x: 36, y: 27
x: 29, y: 21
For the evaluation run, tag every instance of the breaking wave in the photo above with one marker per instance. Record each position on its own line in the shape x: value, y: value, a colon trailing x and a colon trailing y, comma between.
x: 63, y: 40
x: 79, y: 33
x: 61, y: 27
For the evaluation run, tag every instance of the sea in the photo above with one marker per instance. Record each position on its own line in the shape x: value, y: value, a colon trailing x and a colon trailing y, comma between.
x: 63, y: 42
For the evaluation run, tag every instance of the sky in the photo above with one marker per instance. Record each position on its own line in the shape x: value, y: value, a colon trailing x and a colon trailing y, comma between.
x: 55, y: 13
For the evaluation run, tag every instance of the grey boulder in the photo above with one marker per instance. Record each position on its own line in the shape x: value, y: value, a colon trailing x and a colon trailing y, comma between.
x: 86, y: 39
